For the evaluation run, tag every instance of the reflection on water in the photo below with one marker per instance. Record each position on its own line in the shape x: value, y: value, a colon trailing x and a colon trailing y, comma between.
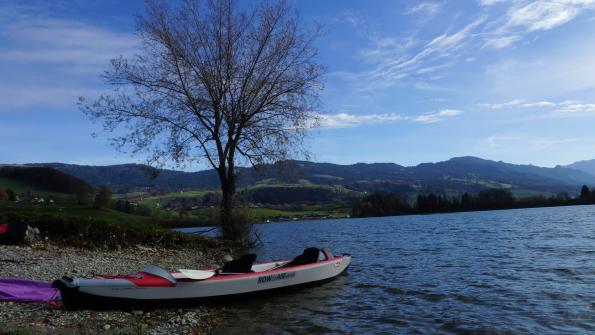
x: 514, y: 271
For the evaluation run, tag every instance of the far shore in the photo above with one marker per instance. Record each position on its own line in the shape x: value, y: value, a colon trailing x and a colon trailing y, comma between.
x: 300, y: 219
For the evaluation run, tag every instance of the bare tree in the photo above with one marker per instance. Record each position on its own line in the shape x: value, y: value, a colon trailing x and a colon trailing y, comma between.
x: 217, y: 83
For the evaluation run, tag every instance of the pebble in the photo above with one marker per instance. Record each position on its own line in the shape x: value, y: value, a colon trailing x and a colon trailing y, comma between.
x: 61, y: 261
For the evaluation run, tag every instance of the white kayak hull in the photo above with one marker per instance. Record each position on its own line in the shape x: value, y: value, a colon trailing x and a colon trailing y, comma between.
x: 147, y: 290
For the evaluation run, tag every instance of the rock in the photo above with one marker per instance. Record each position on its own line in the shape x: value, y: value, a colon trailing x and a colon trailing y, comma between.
x: 60, y: 260
x: 32, y: 234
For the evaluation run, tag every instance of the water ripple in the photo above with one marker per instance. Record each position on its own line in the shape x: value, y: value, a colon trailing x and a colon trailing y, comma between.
x: 501, y: 272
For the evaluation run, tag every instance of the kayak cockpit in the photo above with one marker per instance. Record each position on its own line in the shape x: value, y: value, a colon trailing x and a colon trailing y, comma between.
x: 245, y: 264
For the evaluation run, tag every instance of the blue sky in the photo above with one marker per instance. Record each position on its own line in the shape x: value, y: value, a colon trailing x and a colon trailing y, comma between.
x: 407, y: 81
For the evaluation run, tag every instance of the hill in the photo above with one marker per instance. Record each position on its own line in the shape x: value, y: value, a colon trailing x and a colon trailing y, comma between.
x: 587, y: 166
x: 43, y: 178
x: 454, y: 176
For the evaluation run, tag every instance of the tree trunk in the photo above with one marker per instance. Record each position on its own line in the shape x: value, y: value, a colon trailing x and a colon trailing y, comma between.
x: 227, y: 191
x: 234, y: 226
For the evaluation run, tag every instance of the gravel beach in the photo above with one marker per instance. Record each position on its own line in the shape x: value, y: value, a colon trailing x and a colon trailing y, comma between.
x: 46, y: 261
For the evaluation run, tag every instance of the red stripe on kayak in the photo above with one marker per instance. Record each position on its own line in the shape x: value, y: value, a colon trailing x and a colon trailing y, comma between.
x: 145, y: 280
x: 3, y: 228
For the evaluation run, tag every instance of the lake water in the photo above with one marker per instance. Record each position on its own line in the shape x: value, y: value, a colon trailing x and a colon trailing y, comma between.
x: 499, y: 272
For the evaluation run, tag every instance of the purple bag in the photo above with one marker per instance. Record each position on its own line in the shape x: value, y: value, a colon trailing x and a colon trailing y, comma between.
x: 22, y: 290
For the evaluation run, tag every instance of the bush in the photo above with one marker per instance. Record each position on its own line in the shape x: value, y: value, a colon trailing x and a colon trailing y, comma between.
x: 12, y: 196
x: 90, y: 233
x: 240, y: 228
x: 103, y: 198
x: 84, y: 198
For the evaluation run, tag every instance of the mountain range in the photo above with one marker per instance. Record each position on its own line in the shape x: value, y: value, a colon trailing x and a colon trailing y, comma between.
x: 585, y: 166
x: 454, y: 176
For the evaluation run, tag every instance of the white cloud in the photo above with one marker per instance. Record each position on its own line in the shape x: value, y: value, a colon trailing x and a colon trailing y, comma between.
x: 350, y: 19
x: 568, y: 106
x: 393, y: 60
x: 392, y: 67
x: 385, y: 48
x: 500, y: 42
x: 501, y: 105
x: 427, y: 8
x: 525, y: 17
x: 487, y: 3
x: 542, y: 15
x: 345, y: 120
x: 51, y: 62
x: 437, y: 116
x: 42, y: 96
x: 538, y: 104
x: 79, y: 47
x: 574, y: 109
x: 543, y: 110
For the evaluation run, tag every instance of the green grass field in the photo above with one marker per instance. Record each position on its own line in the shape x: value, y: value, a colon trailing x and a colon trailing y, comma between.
x: 154, y: 216
x: 21, y: 187
x: 153, y: 200
x: 208, y: 216
x: 84, y: 225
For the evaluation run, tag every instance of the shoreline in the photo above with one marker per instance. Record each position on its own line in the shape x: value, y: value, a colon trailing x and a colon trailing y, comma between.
x: 47, y: 261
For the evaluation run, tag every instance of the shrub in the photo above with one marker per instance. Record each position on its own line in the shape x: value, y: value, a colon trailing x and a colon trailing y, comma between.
x: 84, y: 198
x: 104, y: 197
x: 90, y: 233
x: 12, y: 196
x: 240, y: 228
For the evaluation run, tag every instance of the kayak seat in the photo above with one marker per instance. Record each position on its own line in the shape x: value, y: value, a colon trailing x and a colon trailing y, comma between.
x: 310, y: 255
x: 240, y: 265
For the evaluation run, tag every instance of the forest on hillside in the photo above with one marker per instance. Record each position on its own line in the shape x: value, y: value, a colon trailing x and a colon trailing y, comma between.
x: 384, y: 204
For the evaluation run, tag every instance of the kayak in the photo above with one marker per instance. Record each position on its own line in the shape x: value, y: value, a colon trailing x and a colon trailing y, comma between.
x: 153, y: 286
